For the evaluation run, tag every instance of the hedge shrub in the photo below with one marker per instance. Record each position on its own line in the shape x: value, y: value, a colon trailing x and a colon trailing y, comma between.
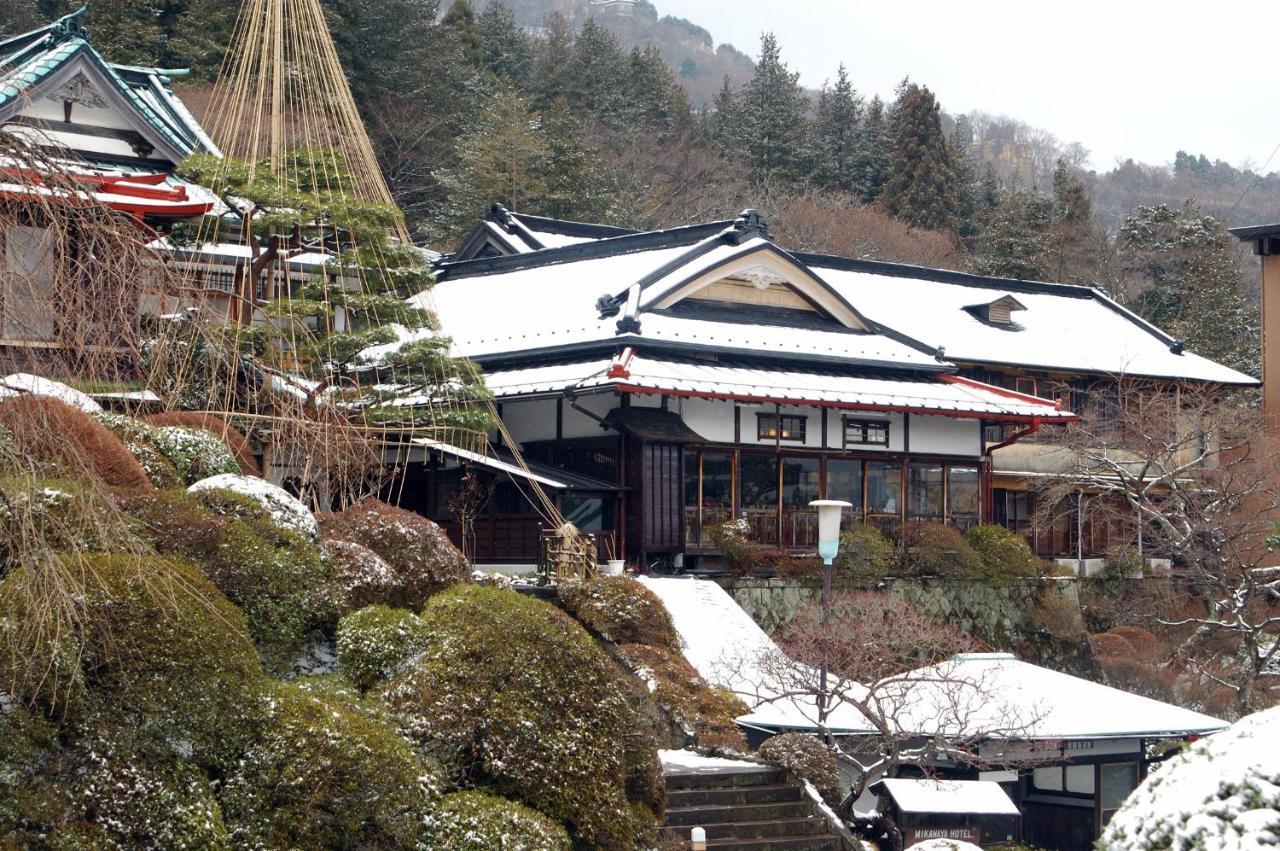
x: 227, y: 433
x: 808, y: 758
x: 50, y: 514
x: 704, y: 714
x: 419, y: 552
x: 195, y: 453
x: 513, y: 693
x: 139, y: 439
x: 55, y: 433
x: 283, y: 507
x: 622, y: 610
x: 322, y: 775
x: 358, y: 576
x: 733, y: 539
x: 477, y: 821
x: 377, y: 642
x: 1002, y: 553
x: 146, y: 644
x: 933, y: 549
x: 866, y: 555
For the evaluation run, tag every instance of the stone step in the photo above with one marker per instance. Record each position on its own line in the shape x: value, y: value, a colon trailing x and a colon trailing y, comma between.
x: 772, y: 793
x: 756, y: 829
x: 800, y: 843
x: 714, y: 814
x: 719, y: 780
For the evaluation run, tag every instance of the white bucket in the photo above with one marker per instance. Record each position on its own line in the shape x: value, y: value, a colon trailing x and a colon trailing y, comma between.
x: 614, y: 567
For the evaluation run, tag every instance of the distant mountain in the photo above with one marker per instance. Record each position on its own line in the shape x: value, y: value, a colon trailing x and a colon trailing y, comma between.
x: 687, y: 48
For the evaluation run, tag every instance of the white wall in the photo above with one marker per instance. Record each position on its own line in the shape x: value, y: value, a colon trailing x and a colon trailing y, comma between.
x: 710, y: 418
x: 945, y: 436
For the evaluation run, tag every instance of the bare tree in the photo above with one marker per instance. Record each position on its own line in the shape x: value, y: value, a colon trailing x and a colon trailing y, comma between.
x: 1198, y: 474
x: 894, y: 694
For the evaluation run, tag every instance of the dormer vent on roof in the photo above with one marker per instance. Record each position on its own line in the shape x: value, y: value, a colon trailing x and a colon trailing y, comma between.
x: 998, y: 312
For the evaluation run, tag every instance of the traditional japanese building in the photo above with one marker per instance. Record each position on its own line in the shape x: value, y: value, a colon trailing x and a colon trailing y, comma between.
x: 705, y: 373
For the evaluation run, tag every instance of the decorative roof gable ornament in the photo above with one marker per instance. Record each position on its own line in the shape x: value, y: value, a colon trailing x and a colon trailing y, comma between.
x: 69, y: 26
x: 78, y: 90
x: 609, y: 305
x: 750, y: 224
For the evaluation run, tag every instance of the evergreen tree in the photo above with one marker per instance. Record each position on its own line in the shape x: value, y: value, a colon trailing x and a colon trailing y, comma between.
x: 1074, y: 232
x: 920, y: 189
x: 837, y: 135
x: 1015, y: 243
x: 571, y: 176
x: 652, y: 98
x: 553, y: 58
x: 875, y: 143
x: 1186, y: 262
x: 506, y: 49
x: 18, y: 16
x: 598, y: 73
x: 773, y: 127
x: 968, y: 189
x: 724, y: 122
x: 461, y: 20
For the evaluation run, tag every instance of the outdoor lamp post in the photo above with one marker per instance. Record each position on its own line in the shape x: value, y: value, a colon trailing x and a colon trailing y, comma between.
x: 698, y: 839
x: 829, y: 511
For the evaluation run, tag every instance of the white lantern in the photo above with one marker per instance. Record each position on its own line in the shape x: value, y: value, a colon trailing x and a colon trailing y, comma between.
x: 829, y: 511
x: 698, y: 839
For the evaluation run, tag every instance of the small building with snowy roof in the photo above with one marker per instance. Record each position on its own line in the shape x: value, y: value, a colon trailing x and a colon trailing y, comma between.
x: 713, y: 375
x: 920, y: 809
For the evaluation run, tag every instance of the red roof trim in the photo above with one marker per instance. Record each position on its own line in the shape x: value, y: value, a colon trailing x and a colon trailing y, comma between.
x: 1056, y: 404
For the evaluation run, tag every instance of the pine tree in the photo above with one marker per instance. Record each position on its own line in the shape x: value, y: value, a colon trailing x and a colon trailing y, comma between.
x: 461, y: 20
x: 725, y: 121
x: 652, y: 98
x: 773, y: 130
x: 836, y: 135
x: 920, y: 189
x: 1016, y: 242
x: 1192, y: 285
x: 968, y: 189
x: 553, y: 73
x: 875, y: 143
x: 1074, y: 232
x: 505, y: 47
x: 572, y: 178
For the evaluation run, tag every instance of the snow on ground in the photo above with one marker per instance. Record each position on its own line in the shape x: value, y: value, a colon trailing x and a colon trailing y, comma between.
x: 1221, y: 794
x: 729, y: 649
x: 692, y: 762
x: 25, y: 382
x: 284, y: 508
x: 945, y: 845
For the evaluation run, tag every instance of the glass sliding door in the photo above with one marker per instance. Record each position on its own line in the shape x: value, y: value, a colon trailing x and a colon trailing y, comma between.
x: 963, y: 497
x: 844, y: 482
x: 758, y: 495
x: 926, y: 493
x: 708, y: 494
x: 801, y: 484
x: 884, y: 495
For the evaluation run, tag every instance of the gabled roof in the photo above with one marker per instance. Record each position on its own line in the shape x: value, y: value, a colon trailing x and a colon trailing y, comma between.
x: 59, y: 54
x: 504, y: 233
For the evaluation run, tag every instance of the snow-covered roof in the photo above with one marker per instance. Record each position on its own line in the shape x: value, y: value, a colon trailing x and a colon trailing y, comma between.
x: 1035, y: 703
x: 980, y: 797
x: 1223, y: 793
x: 35, y: 385
x: 1062, y: 328
x: 939, y: 394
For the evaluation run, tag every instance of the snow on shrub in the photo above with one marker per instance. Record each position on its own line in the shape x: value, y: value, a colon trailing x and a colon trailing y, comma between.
x: 866, y: 555
x: 1223, y: 793
x: 477, y: 821
x: 808, y: 758
x: 284, y: 508
x: 149, y: 644
x: 703, y: 714
x: 49, y: 514
x: 322, y: 774
x: 418, y: 551
x: 933, y: 549
x: 621, y: 610
x: 278, y: 578
x: 358, y: 576
x: 140, y: 439
x: 195, y: 453
x: 73, y: 442
x: 375, y: 644
x: 227, y: 433
x: 513, y: 692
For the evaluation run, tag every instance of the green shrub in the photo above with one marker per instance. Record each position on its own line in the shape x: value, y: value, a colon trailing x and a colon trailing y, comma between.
x: 808, y: 758
x: 866, y: 555
x: 932, y: 549
x: 358, y: 576
x: 234, y: 491
x: 323, y: 775
x: 419, y: 552
x: 478, y: 821
x: 194, y: 452
x: 50, y: 515
x: 140, y: 439
x: 1124, y: 563
x: 513, y: 693
x: 139, y: 642
x: 733, y: 540
x: 1004, y: 555
x: 621, y: 610
x: 701, y: 712
x: 376, y: 642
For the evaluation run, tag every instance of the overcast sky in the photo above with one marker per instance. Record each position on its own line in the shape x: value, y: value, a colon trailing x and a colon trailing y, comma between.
x: 1127, y: 78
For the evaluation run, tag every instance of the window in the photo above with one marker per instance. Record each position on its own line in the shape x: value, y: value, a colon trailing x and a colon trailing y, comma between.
x: 925, y: 492
x: 884, y: 487
x: 844, y: 481
x: 866, y: 432
x: 1118, y: 779
x: 26, y: 283
x: 1025, y: 385
x: 962, y: 495
x: 758, y: 495
x: 792, y: 427
x: 993, y: 433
